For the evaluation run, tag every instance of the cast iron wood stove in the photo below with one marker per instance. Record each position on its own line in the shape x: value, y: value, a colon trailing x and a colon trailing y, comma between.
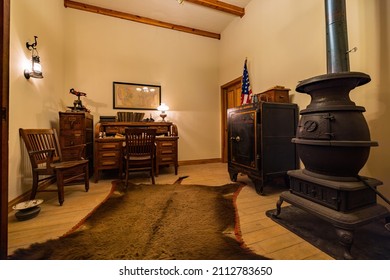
x: 259, y: 142
x: 333, y: 142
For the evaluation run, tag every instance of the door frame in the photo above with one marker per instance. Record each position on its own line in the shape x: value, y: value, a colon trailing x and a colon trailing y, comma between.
x: 4, y: 125
x: 224, y: 102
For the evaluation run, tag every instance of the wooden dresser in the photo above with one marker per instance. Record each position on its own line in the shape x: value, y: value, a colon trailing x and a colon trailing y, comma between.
x: 76, y: 128
x: 277, y: 94
x: 108, y: 149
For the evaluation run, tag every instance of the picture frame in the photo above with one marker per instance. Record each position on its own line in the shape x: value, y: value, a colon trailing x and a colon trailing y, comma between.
x: 136, y: 96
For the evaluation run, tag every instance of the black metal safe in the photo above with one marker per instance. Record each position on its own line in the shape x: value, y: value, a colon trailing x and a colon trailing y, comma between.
x: 259, y: 141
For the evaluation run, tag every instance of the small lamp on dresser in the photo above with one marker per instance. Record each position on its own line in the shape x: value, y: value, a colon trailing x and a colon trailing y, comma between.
x: 163, y: 107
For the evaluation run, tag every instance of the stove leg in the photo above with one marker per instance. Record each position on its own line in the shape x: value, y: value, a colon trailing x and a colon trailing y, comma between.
x: 278, y: 207
x: 346, y: 240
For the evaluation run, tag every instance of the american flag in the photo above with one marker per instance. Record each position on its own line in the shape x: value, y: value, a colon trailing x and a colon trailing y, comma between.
x: 246, y: 91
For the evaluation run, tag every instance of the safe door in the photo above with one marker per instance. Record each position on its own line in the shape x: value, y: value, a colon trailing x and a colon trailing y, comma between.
x: 242, y: 138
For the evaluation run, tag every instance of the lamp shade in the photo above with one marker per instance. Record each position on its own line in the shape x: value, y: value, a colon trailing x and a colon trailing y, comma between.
x: 163, y: 107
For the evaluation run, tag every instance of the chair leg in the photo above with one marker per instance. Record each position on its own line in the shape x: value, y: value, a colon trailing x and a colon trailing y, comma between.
x: 153, y: 182
x: 60, y: 186
x: 86, y: 178
x: 34, y: 186
x: 127, y: 178
x: 152, y: 175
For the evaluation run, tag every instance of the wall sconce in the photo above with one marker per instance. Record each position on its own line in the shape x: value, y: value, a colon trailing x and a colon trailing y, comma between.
x: 180, y: 1
x: 36, y: 69
x: 163, y: 107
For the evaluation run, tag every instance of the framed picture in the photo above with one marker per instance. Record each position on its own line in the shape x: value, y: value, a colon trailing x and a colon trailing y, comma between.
x: 136, y: 96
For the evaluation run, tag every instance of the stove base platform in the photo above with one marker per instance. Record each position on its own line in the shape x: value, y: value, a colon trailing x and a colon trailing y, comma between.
x: 344, y: 223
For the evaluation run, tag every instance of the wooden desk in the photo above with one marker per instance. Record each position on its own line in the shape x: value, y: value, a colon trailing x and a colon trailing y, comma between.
x: 108, y: 150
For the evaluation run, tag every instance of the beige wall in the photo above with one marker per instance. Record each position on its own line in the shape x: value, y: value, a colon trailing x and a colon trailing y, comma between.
x: 284, y: 41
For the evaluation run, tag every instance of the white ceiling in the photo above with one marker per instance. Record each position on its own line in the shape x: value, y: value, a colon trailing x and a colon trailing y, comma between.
x: 186, y: 14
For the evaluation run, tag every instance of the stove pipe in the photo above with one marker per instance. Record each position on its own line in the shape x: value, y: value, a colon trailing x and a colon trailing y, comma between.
x: 336, y: 36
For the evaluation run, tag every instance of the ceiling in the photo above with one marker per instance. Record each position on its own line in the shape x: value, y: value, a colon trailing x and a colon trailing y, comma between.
x: 200, y: 17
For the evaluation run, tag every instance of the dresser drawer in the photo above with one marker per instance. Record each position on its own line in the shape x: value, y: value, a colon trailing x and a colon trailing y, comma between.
x: 277, y: 94
x: 72, y: 122
x: 71, y: 140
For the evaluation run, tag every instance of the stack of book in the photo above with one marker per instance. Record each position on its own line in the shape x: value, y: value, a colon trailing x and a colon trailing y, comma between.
x: 130, y: 116
x: 107, y: 119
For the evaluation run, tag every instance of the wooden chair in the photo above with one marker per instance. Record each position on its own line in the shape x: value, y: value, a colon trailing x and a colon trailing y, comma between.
x: 47, y: 163
x: 139, y: 151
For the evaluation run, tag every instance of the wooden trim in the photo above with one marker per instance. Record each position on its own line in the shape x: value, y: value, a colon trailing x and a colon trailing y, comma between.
x: 4, y: 125
x: 220, y: 6
x: 139, y: 19
x: 235, y: 81
x: 223, y: 122
x: 26, y: 196
x: 224, y: 117
x: 199, y: 161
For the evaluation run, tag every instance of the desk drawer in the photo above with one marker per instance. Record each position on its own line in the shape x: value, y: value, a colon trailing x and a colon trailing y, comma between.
x: 167, y: 158
x: 109, y: 154
x: 166, y: 151
x: 109, y: 146
x: 108, y: 163
x: 166, y: 146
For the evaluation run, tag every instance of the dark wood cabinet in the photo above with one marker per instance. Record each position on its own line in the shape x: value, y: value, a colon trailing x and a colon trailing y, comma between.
x: 259, y: 141
x: 76, y: 128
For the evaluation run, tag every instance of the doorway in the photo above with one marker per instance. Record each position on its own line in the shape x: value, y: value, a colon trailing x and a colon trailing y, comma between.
x: 230, y: 98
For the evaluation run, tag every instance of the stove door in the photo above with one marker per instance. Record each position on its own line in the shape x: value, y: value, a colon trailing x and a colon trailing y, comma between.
x: 242, y: 137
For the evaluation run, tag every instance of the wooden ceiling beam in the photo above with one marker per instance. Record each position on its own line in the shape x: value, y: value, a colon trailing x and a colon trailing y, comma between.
x: 221, y: 6
x: 140, y: 19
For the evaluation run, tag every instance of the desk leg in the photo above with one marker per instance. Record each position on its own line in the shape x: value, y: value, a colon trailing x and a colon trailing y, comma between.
x: 96, y: 175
